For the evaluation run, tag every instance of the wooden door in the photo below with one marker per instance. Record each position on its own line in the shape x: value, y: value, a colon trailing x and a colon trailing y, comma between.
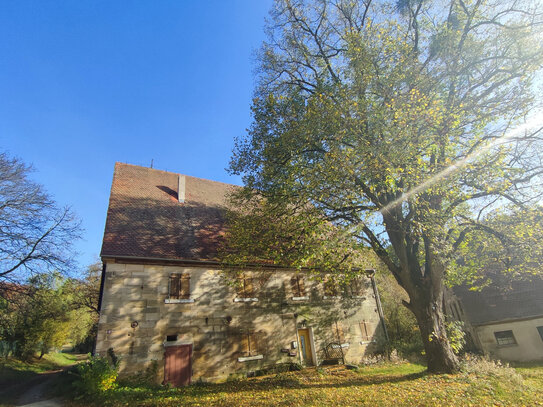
x: 178, y: 365
x: 305, y: 346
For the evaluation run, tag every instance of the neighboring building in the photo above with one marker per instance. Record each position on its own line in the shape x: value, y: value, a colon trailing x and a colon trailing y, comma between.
x: 504, y: 323
x: 165, y: 301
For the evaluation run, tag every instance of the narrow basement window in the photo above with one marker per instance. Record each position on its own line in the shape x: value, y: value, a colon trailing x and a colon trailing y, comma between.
x: 171, y: 338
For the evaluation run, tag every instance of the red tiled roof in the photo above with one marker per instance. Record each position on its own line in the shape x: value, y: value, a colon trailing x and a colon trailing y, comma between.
x: 145, y: 218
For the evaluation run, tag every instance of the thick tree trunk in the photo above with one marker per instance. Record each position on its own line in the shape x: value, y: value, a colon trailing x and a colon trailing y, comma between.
x: 425, y: 286
x: 430, y: 318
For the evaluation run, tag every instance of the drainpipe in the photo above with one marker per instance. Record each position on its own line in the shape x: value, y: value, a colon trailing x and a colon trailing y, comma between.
x: 100, y: 296
x: 371, y: 275
x: 102, y: 280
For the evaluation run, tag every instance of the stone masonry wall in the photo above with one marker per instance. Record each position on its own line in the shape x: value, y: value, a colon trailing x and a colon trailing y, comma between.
x: 136, y: 319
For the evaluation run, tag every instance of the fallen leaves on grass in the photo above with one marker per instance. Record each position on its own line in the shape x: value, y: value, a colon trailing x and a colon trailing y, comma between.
x: 388, y: 385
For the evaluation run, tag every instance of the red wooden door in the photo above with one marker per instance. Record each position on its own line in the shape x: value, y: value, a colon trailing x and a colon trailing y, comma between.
x: 177, y: 365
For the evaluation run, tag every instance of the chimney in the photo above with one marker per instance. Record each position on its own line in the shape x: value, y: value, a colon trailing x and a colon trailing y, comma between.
x: 181, y: 189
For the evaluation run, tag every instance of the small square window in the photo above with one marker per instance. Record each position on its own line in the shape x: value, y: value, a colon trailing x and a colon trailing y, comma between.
x: 171, y: 338
x: 505, y: 338
x: 540, y: 330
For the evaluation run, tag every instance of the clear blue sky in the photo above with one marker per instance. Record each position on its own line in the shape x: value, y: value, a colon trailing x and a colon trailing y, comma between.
x: 84, y: 84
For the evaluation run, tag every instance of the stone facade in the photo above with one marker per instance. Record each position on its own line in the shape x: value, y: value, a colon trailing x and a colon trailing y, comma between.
x: 230, y: 333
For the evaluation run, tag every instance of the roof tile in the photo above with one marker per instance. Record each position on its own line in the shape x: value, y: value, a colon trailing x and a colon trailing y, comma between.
x: 145, y: 219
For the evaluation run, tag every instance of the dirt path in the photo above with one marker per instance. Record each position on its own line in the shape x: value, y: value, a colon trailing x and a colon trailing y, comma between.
x: 34, y: 393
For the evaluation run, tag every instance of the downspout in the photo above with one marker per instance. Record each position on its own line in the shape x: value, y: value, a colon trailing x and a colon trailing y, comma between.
x: 102, y: 280
x: 371, y: 275
x: 100, y: 295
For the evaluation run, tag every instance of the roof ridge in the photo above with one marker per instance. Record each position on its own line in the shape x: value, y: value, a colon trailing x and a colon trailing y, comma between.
x: 176, y: 173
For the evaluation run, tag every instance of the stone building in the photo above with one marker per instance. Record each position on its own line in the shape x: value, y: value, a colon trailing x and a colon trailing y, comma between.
x: 167, y: 306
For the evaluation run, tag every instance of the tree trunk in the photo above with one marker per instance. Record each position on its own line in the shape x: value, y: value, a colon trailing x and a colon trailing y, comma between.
x: 425, y: 286
x: 430, y: 318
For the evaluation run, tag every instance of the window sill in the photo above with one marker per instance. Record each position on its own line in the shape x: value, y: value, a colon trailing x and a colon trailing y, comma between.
x: 343, y: 345
x: 358, y: 297
x: 333, y: 297
x: 245, y: 299
x: 178, y: 301
x: 507, y: 345
x: 304, y: 298
x: 249, y: 358
x: 367, y: 342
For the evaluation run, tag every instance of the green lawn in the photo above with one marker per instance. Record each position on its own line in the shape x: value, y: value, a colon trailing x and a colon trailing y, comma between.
x: 386, y: 385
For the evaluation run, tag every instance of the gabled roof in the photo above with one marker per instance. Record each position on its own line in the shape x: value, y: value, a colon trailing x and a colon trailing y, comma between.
x: 521, y: 299
x: 146, y: 220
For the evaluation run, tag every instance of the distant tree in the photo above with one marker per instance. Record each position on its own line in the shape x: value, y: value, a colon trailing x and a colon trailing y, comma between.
x: 87, y: 289
x: 44, y: 317
x: 36, y: 235
x: 86, y: 297
x: 402, y: 123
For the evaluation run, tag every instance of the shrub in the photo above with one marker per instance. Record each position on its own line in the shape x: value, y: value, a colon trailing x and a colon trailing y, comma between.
x: 483, y: 366
x: 456, y: 335
x: 147, y: 377
x: 95, y: 377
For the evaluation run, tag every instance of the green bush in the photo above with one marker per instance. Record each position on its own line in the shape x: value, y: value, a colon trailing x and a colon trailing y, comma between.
x: 456, y: 335
x: 95, y: 377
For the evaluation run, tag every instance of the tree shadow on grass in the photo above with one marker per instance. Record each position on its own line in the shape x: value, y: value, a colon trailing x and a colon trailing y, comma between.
x: 289, y: 381
x: 295, y: 382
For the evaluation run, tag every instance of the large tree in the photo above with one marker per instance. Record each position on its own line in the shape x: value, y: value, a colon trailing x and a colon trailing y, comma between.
x: 36, y: 236
x: 402, y: 123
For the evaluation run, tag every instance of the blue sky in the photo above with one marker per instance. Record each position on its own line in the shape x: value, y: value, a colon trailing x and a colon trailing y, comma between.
x: 84, y: 84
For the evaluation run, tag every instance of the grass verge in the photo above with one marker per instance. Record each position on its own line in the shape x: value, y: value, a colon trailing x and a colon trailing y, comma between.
x: 385, y: 385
